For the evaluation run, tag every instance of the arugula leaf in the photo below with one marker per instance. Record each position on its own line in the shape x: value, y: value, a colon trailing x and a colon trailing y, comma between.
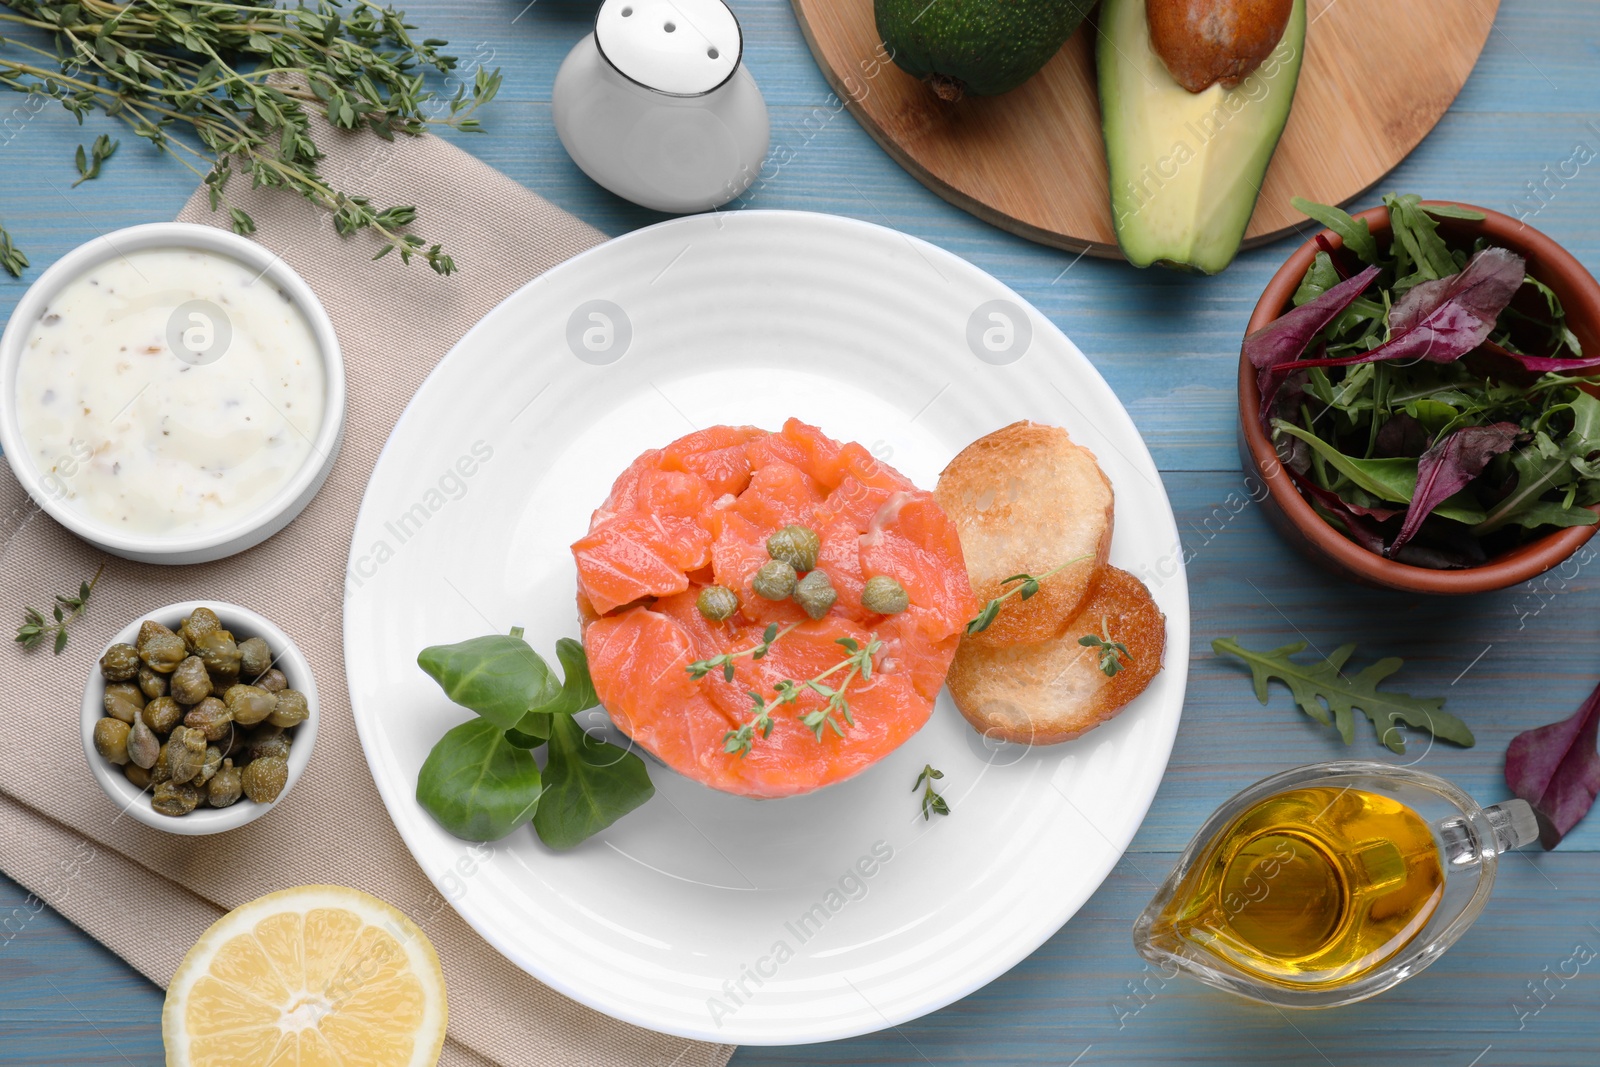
x: 588, y: 785
x: 498, y: 676
x: 1417, y: 236
x: 1452, y: 211
x: 476, y: 784
x: 1355, y: 233
x: 1319, y: 278
x: 1322, y: 688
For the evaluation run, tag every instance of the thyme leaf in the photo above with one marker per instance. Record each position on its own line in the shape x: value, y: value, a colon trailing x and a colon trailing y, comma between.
x: 1028, y: 587
x: 36, y: 628
x: 1111, y: 652
x: 932, y: 803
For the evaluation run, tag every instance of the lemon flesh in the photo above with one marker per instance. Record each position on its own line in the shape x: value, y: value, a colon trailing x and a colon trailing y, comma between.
x: 320, y: 976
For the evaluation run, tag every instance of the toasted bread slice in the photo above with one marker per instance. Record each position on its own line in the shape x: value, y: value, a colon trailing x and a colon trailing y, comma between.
x: 1025, y: 499
x: 1055, y: 690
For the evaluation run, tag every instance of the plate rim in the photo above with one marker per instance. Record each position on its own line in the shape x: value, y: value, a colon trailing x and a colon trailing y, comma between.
x: 593, y: 995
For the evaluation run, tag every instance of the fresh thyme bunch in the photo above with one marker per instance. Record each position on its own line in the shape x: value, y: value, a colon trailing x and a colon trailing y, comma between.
x: 242, y: 80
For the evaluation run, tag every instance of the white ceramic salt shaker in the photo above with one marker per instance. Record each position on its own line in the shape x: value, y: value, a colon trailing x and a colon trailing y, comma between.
x: 656, y: 105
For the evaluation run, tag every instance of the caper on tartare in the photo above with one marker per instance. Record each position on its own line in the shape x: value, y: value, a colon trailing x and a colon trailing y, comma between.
x: 775, y: 580
x: 795, y: 545
x: 717, y: 602
x: 815, y: 594
x: 884, y: 595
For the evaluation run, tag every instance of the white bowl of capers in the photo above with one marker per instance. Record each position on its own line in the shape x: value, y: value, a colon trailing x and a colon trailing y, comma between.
x: 199, y: 717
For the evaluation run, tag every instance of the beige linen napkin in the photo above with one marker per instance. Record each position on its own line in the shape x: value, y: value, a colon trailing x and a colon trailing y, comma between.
x: 149, y: 895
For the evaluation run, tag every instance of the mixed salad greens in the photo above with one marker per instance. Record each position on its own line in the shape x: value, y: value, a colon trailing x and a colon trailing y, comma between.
x: 1428, y: 397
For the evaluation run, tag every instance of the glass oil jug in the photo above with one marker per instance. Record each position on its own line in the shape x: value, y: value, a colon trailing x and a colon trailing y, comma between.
x: 1330, y: 883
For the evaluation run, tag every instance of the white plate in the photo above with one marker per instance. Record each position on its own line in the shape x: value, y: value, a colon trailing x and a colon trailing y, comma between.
x: 701, y: 914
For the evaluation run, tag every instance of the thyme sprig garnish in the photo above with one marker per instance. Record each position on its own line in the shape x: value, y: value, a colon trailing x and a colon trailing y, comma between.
x: 932, y: 803
x: 35, y: 628
x: 1030, y: 585
x: 242, y: 79
x: 12, y: 261
x: 89, y: 162
x: 1110, y: 650
x: 858, y: 664
x: 702, y: 667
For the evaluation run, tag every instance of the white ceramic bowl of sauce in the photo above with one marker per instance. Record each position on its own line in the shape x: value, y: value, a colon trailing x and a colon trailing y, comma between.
x: 172, y: 393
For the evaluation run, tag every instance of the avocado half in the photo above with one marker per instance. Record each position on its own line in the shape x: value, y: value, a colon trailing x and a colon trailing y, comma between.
x: 1186, y: 168
x: 981, y: 47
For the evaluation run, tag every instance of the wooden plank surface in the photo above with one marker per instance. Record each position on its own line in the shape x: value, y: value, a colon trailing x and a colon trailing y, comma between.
x: 1378, y: 75
x: 1168, y: 345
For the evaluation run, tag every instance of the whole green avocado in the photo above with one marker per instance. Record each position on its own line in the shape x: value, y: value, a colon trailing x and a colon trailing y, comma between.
x: 981, y: 47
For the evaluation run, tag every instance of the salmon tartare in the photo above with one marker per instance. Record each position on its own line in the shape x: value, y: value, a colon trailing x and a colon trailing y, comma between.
x: 829, y: 563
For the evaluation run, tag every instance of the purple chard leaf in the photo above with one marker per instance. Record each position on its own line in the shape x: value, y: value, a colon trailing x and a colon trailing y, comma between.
x: 1438, y: 321
x: 1446, y: 468
x: 1441, y: 321
x: 1284, y: 339
x: 1557, y: 770
x: 1359, y: 521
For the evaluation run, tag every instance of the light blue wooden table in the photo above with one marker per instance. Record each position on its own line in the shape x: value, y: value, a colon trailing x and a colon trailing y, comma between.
x: 1168, y: 344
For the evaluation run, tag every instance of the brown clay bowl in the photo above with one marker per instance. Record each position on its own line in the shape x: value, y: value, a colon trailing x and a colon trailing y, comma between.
x: 1294, y: 517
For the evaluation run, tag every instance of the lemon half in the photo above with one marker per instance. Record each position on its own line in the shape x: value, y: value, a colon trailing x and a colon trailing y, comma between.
x: 320, y: 976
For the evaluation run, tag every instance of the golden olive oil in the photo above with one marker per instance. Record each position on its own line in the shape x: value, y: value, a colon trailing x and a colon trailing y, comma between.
x: 1312, y: 886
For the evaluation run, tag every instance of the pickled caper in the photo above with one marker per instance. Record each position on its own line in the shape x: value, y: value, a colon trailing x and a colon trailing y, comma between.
x: 255, y: 658
x: 211, y: 717
x: 795, y: 545
x: 143, y: 744
x: 158, y: 770
x: 884, y: 595
x: 200, y: 622
x: 264, y: 779
x: 190, y: 682
x: 152, y: 683
x: 815, y: 594
x: 139, y: 776
x: 250, y: 704
x: 273, y: 681
x: 774, y: 581
x: 123, y: 700
x: 186, y: 754
x: 111, y: 740
x: 226, y: 786
x: 290, y: 710
x: 120, y: 663
x: 262, y: 743
x: 212, y: 764
x: 175, y: 798
x: 160, y: 648
x: 162, y: 714
x: 219, y: 652
x: 717, y: 602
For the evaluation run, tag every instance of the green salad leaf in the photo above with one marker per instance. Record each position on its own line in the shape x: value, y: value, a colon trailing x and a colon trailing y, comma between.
x: 478, y: 785
x: 498, y: 676
x: 482, y: 780
x: 589, y: 784
x: 1394, y: 480
x: 1323, y: 688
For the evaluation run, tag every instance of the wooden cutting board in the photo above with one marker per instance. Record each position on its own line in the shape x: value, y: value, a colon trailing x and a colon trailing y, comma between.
x: 1378, y: 75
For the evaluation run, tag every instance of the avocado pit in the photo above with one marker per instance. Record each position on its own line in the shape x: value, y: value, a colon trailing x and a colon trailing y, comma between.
x: 1204, y: 42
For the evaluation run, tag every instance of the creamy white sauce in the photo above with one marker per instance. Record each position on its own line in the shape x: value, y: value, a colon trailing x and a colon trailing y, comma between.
x: 136, y: 438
